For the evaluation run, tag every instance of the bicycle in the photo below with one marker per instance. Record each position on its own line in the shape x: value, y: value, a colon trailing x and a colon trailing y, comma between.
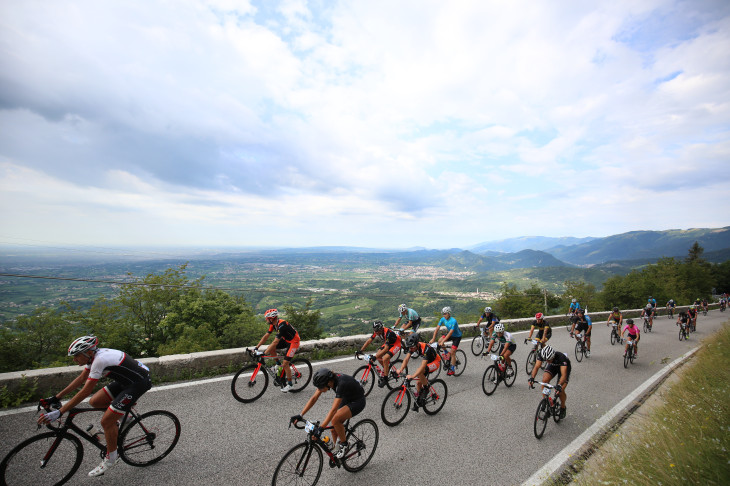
x: 53, y: 457
x: 302, y: 464
x: 397, y: 403
x: 629, y: 356
x: 459, y: 365
x: 548, y: 406
x: 615, y: 336
x: 683, y: 331
x: 479, y: 343
x: 248, y: 388
x: 570, y: 316
x: 580, y: 347
x: 704, y: 311
x: 367, y: 374
x: 670, y: 312
x: 647, y: 325
x: 532, y: 356
x: 498, y: 372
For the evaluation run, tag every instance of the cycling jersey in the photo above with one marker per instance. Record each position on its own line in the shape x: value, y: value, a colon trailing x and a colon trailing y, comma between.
x: 584, y: 324
x: 574, y: 306
x: 118, y: 366
x: 555, y: 368
x: 614, y: 316
x: 284, y: 331
x: 505, y: 338
x: 351, y: 392
x: 652, y: 302
x: 410, y: 315
x: 490, y: 318
x: 389, y: 336
x: 632, y: 330
x: 692, y: 313
x: 426, y: 352
x: 451, y: 325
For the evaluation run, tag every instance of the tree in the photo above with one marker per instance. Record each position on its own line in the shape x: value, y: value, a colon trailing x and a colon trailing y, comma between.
x: 305, y: 321
x: 584, y: 292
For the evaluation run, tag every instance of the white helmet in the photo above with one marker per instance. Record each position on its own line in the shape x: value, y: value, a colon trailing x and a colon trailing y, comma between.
x: 574, y: 301
x: 546, y: 353
x: 446, y: 310
x: 487, y: 310
x: 499, y: 327
x: 402, y: 308
x: 83, y: 344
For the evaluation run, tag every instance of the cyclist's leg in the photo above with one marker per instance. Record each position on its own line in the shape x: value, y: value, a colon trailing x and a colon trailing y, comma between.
x: 121, y: 404
x: 588, y: 337
x: 342, y: 415
x: 387, y: 356
x: 508, y: 350
x: 290, y: 352
x: 455, y: 341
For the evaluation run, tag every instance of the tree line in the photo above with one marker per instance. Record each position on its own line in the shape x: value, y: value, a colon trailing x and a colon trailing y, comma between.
x: 168, y: 313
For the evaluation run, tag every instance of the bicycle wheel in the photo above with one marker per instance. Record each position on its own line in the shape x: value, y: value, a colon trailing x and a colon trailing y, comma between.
x: 510, y: 373
x: 490, y: 380
x: 432, y: 375
x: 247, y: 388
x: 436, y: 397
x: 363, y: 440
x: 632, y: 355
x: 301, y: 466
x: 460, y: 362
x: 626, y: 359
x: 301, y: 374
x: 366, y: 376
x: 393, y: 382
x: 477, y: 345
x: 149, y: 438
x: 531, y: 360
x: 62, y: 454
x: 556, y: 410
x: 395, y: 406
x: 495, y: 346
x: 681, y: 334
x: 614, y: 337
x: 541, y: 417
x: 578, y: 351
x: 646, y: 326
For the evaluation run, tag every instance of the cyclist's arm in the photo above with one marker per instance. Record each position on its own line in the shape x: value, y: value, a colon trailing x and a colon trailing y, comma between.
x: 532, y: 328
x: 447, y: 336
x: 367, y: 343
x: 435, y: 334
x: 479, y: 321
x: 310, y: 403
x: 534, y: 371
x: 544, y: 335
x: 87, y: 390
x: 336, y: 403
x: 563, y: 376
x: 397, y: 321
x: 78, y: 382
x: 263, y: 339
x: 420, y: 371
x: 404, y: 363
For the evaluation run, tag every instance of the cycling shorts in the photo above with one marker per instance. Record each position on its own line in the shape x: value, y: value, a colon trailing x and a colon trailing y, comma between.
x: 432, y: 366
x: 541, y: 331
x: 123, y: 396
x: 510, y: 346
x: 392, y: 350
x: 291, y: 349
x: 554, y: 370
x: 455, y: 342
x: 583, y: 326
x: 632, y: 337
x: 355, y: 406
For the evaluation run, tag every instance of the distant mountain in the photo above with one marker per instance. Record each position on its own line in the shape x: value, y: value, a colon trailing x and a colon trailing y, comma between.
x: 643, y: 245
x: 512, y: 245
x: 482, y: 263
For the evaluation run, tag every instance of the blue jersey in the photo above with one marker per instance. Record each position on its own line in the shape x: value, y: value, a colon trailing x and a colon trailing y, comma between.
x: 652, y: 302
x: 589, y: 321
x: 451, y: 325
x: 410, y: 315
x: 575, y: 306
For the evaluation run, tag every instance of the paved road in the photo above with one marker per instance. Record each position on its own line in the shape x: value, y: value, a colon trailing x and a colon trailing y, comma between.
x: 474, y: 439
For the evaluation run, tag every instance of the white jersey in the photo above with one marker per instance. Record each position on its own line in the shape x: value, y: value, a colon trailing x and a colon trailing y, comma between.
x: 118, y: 366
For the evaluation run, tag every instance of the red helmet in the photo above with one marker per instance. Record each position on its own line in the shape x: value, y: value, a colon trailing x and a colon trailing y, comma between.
x: 538, y: 315
x: 271, y: 313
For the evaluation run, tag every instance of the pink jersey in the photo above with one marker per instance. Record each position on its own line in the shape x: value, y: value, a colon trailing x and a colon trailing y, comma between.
x: 634, y: 330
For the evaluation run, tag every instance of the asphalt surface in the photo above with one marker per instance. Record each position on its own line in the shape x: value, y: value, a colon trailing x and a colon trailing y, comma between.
x: 474, y: 439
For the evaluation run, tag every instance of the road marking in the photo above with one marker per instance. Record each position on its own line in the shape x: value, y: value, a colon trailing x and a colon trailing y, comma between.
x: 601, y: 424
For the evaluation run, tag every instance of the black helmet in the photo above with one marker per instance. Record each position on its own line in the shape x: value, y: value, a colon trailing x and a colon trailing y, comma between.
x: 413, y: 340
x: 378, y: 326
x: 615, y: 309
x: 322, y: 377
x: 629, y: 321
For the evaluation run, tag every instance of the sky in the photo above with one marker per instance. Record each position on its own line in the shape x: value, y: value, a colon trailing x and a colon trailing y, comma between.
x: 387, y: 124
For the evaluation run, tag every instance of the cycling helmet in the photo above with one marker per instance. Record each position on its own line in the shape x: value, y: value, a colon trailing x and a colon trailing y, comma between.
x: 271, y: 313
x: 487, y: 310
x: 446, y: 310
x: 671, y: 301
x: 546, y: 354
x: 629, y: 322
x: 402, y: 308
x: 83, y: 344
x: 615, y: 309
x: 574, y: 301
x: 538, y: 316
x: 650, y: 297
x: 648, y: 306
x: 413, y: 340
x: 581, y: 311
x: 378, y: 326
x: 499, y: 327
x: 322, y: 377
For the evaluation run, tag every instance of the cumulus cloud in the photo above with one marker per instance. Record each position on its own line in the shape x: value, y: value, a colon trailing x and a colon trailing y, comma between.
x: 380, y: 116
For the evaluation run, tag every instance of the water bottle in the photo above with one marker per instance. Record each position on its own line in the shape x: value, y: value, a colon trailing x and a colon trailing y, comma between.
x: 279, y: 370
x: 327, y: 442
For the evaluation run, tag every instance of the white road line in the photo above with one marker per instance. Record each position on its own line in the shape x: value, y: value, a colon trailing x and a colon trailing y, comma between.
x: 572, y: 449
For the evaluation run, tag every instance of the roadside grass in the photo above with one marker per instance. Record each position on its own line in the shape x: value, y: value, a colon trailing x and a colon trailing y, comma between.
x: 686, y: 440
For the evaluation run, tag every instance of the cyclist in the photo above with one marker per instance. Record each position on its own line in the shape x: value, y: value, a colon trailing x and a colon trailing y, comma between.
x: 452, y: 332
x: 670, y: 307
x: 652, y: 302
x: 431, y: 362
x: 634, y: 334
x: 131, y: 379
x: 507, y: 343
x: 349, y: 401
x: 615, y: 316
x: 683, y: 319
x: 391, y: 345
x: 574, y: 307
x: 544, y: 332
x: 705, y: 304
x: 287, y: 339
x: 648, y: 312
x: 557, y: 364
x: 692, y: 312
x: 412, y: 321
x: 583, y: 323
x: 723, y: 303
x: 490, y: 319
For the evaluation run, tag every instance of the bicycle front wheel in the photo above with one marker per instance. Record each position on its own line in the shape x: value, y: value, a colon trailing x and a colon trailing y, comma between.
x: 477, y: 345
x: 541, y: 418
x: 578, y: 351
x: 510, y: 373
x: 681, y: 334
x: 436, y: 397
x: 490, y: 380
x: 301, y: 466
x: 614, y: 337
x: 626, y: 359
x: 48, y: 458
x: 363, y: 440
x: 556, y: 410
x: 365, y: 375
x: 530, y: 363
x: 301, y: 374
x: 249, y: 383
x: 393, y: 382
x: 149, y: 438
x: 395, y: 406
x: 459, y: 362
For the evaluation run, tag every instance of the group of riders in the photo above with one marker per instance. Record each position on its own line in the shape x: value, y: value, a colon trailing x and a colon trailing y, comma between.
x: 131, y: 379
